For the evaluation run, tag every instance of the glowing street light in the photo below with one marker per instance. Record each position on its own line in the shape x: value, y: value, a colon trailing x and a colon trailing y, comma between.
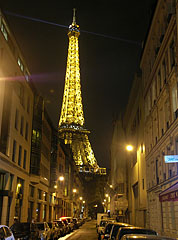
x: 106, y: 195
x: 61, y: 178
x: 111, y: 186
x: 80, y: 198
x: 83, y: 201
x: 104, y: 200
x: 129, y: 148
x: 74, y: 190
x: 55, y: 186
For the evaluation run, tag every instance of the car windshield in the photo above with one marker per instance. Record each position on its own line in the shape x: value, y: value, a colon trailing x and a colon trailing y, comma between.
x: 103, y: 223
x: 108, y: 228
x: 50, y: 225
x: 115, y: 230
x: 20, y: 227
x: 59, y: 223
x: 40, y: 226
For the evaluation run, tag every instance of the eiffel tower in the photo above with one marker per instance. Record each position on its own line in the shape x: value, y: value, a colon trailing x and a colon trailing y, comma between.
x: 71, y: 123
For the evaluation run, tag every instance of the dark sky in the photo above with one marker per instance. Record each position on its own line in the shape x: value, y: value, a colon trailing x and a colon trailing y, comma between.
x: 107, y: 64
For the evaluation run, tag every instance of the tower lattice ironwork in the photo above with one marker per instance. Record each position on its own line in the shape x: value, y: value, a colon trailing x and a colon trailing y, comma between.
x: 71, y: 123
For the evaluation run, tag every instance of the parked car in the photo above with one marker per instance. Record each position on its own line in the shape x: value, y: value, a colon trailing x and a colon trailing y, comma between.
x: 101, y: 227
x: 70, y: 222
x: 25, y: 230
x: 115, y: 228
x: 67, y: 228
x: 76, y: 223
x: 134, y: 230
x: 6, y: 233
x: 145, y: 237
x: 44, y: 230
x: 62, y: 227
x: 107, y: 230
x: 54, y: 230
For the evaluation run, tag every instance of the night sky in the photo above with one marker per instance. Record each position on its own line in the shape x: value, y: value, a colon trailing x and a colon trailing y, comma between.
x: 108, y: 60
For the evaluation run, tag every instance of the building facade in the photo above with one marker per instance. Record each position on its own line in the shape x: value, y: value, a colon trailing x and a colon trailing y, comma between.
x: 160, y: 78
x: 16, y: 112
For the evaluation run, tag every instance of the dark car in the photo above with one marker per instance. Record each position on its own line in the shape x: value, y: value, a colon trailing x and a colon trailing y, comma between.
x: 76, y: 223
x: 62, y: 227
x: 25, y: 230
x: 115, y: 228
x: 145, y: 237
x: 67, y: 227
x: 54, y: 230
x: 107, y: 230
x: 134, y: 230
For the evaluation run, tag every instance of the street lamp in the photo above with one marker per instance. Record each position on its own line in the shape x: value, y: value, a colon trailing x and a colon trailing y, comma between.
x: 106, y: 195
x: 129, y: 148
x: 61, y: 178
x: 80, y: 198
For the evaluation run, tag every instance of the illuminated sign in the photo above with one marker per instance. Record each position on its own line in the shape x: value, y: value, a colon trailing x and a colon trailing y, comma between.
x: 171, y: 158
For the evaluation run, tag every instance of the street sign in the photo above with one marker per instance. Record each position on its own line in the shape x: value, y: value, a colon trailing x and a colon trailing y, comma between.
x: 171, y: 158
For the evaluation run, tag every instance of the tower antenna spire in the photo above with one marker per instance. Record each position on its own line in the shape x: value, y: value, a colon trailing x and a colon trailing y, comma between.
x: 74, y: 17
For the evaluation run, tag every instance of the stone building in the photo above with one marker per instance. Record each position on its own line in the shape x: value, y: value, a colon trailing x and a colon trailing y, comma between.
x: 160, y: 81
x: 16, y: 112
x: 133, y: 123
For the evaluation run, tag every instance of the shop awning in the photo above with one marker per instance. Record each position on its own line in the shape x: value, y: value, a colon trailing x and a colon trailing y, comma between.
x: 169, y: 194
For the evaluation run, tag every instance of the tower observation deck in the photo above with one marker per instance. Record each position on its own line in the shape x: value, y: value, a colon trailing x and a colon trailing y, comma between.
x: 71, y: 123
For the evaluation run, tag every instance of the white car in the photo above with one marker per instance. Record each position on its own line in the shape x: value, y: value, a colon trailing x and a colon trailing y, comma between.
x: 6, y: 233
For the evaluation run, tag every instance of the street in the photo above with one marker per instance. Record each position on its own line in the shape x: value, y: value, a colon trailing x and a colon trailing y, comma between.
x: 88, y: 230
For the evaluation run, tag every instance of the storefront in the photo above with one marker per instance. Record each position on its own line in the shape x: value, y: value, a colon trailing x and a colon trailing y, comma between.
x: 169, y: 209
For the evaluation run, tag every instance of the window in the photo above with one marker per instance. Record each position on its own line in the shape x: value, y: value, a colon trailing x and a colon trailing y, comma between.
x: 172, y: 54
x: 174, y: 100
x: 31, y: 191
x: 28, y: 104
x: 143, y: 184
x: 164, y: 71
x: 26, y: 131
x: 16, y: 118
x: 22, y: 125
x: 159, y: 81
x: 157, y: 178
x: 39, y: 193
x: 14, y: 150
x: 4, y: 31
x: 20, y: 155
x: 19, y: 61
x: 24, y: 159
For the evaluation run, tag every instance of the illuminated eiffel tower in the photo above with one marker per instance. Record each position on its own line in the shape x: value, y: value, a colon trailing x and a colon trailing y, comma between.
x: 71, y: 123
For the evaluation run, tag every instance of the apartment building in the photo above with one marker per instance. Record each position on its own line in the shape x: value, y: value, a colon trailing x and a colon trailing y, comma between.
x: 16, y: 112
x: 160, y: 81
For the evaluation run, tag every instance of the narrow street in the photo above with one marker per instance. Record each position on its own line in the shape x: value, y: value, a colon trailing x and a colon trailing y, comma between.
x: 87, y: 231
